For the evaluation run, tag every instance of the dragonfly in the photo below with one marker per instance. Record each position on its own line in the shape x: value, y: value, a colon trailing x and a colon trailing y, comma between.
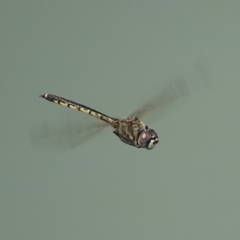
x: 131, y: 130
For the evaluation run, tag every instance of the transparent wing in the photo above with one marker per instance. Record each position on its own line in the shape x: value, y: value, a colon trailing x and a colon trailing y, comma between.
x: 63, y: 136
x: 177, y: 91
x: 168, y: 98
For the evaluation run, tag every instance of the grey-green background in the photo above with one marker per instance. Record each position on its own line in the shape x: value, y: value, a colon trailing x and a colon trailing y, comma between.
x: 109, y: 55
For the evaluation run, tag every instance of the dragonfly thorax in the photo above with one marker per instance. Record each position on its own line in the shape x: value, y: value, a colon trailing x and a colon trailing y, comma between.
x: 134, y: 132
x: 148, y: 139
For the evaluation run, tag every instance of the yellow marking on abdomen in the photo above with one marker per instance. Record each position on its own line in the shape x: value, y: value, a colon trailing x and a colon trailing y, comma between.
x: 63, y: 104
x: 74, y: 107
x: 97, y: 115
x: 84, y: 110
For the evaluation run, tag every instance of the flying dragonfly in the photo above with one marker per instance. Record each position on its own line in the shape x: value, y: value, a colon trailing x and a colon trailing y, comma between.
x: 131, y: 130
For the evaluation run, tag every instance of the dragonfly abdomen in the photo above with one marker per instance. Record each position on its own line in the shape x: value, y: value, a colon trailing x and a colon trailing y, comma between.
x: 77, y: 106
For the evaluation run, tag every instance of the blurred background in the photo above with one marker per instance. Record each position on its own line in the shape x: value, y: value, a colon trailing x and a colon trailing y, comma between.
x: 112, y: 55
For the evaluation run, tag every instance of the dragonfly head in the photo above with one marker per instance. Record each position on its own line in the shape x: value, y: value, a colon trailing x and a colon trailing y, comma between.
x: 148, y: 139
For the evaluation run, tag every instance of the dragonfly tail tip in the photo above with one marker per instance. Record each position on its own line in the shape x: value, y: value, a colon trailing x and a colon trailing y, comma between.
x: 43, y: 95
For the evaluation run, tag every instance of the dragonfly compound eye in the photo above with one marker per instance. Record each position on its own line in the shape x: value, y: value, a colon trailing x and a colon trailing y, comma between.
x: 148, y: 139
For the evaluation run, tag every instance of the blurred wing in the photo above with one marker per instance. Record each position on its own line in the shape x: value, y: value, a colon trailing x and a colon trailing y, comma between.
x: 170, y: 96
x: 62, y: 137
